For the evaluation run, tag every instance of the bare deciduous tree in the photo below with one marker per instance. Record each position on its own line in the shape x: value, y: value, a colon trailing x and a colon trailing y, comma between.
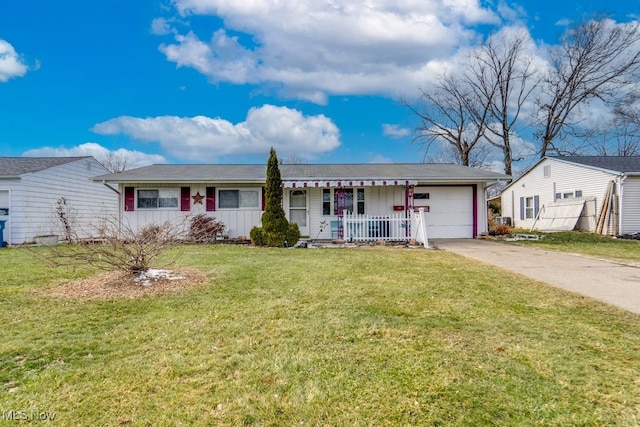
x: 503, y: 78
x: 478, y: 157
x: 619, y: 136
x: 452, y: 113
x: 115, y: 162
x: 596, y: 60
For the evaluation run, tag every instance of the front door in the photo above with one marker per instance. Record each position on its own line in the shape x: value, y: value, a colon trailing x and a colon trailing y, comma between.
x: 298, y: 210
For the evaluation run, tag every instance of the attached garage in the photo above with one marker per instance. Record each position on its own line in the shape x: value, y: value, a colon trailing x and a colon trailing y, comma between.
x: 449, y: 211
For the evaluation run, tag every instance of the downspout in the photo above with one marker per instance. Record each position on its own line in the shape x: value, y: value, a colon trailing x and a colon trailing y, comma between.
x: 110, y: 187
x: 475, y: 210
x: 621, y: 179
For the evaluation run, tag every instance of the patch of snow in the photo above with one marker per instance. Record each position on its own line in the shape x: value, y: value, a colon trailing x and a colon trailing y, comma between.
x: 147, y: 278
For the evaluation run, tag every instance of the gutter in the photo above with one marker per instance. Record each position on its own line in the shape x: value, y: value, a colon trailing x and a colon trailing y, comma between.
x: 621, y: 178
x: 110, y: 187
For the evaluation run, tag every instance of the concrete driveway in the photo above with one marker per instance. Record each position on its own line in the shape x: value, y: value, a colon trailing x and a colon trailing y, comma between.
x: 608, y: 281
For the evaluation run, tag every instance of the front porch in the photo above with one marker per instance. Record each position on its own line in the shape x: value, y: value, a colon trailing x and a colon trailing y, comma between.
x: 359, y: 228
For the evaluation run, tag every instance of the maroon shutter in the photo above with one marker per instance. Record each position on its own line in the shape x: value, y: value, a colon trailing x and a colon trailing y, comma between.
x: 129, y: 199
x: 185, y: 198
x: 264, y: 198
x: 211, y: 199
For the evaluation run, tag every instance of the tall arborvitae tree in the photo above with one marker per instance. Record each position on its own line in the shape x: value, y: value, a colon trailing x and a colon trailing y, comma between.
x: 276, y: 230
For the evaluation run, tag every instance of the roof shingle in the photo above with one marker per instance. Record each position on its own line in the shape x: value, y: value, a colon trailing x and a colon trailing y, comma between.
x: 625, y: 164
x: 12, y: 167
x: 295, y: 172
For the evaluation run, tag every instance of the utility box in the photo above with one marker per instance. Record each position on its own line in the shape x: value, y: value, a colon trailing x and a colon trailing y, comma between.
x: 2, y: 223
x: 503, y: 220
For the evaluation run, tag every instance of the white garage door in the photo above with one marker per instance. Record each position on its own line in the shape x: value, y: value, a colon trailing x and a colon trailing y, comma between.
x: 450, y: 211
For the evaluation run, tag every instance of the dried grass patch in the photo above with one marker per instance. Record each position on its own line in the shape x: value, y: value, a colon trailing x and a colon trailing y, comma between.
x: 119, y: 284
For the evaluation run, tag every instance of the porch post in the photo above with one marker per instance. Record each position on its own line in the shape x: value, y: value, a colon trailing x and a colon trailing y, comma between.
x: 409, y: 207
x: 341, y: 205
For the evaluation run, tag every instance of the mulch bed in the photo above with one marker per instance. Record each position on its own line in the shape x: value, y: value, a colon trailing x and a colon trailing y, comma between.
x: 118, y: 284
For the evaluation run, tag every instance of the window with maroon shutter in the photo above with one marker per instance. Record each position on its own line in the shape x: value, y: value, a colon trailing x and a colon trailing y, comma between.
x: 129, y: 199
x: 185, y: 198
x: 211, y: 199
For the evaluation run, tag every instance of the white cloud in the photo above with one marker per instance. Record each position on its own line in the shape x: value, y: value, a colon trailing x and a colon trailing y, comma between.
x: 11, y: 64
x: 160, y: 27
x: 380, y: 158
x: 395, y: 131
x: 207, y: 139
x: 223, y: 59
x: 133, y: 159
x: 315, y: 49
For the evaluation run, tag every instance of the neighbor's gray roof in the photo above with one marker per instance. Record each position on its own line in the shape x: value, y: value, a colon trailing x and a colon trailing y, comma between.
x: 300, y: 172
x: 628, y: 164
x: 13, y: 167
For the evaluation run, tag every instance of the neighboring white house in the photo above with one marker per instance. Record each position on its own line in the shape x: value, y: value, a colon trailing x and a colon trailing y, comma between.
x: 316, y: 197
x: 31, y: 189
x: 594, y: 193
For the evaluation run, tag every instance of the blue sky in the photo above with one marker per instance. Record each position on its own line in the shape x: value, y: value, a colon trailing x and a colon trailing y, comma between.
x: 221, y: 81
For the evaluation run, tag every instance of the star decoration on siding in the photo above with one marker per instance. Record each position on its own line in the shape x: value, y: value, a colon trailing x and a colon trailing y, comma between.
x: 197, y: 199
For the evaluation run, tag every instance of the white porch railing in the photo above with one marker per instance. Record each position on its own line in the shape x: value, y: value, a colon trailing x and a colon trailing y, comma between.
x: 376, y: 227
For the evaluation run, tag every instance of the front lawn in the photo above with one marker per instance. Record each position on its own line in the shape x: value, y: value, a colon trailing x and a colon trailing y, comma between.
x: 335, y: 337
x: 589, y: 244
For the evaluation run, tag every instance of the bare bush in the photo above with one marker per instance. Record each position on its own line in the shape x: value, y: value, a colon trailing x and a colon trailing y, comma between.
x: 502, y: 230
x: 117, y: 246
x: 204, y: 228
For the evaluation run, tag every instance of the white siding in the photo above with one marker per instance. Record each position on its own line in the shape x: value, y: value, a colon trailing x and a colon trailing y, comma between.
x: 34, y: 199
x: 562, y: 177
x: 381, y: 200
x: 630, y: 212
x: 238, y: 222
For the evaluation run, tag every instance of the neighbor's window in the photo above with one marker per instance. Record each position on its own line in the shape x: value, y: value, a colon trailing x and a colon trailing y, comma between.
x: 238, y: 199
x: 161, y: 198
x: 569, y: 194
x: 528, y: 208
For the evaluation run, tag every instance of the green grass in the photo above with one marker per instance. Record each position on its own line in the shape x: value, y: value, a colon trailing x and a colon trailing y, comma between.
x: 368, y: 336
x: 589, y: 244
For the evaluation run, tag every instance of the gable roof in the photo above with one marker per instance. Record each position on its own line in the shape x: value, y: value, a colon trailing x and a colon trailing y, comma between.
x: 13, y: 167
x: 622, y: 164
x: 300, y: 172
x: 629, y: 165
